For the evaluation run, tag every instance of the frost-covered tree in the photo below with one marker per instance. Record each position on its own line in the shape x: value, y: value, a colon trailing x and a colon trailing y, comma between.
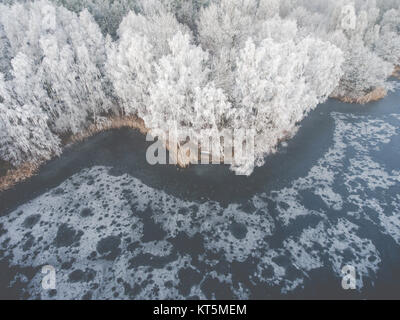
x: 143, y: 40
x: 252, y: 71
x: 107, y: 13
x: 181, y: 92
x: 226, y: 25
x: 277, y: 84
x: 54, y: 83
x: 187, y: 11
x: 387, y: 45
x: 5, y: 54
x: 366, y: 31
x: 271, y: 73
x: 110, y: 13
x: 364, y: 72
x: 24, y: 132
x: 66, y: 53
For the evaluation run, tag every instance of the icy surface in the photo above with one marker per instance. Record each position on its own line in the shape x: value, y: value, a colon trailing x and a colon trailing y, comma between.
x: 112, y: 236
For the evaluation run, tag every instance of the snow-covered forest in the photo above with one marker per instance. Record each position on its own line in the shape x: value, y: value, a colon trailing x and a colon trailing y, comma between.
x: 195, y: 64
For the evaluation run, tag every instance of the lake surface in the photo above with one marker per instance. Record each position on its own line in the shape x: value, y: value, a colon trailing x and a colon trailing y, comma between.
x: 113, y: 226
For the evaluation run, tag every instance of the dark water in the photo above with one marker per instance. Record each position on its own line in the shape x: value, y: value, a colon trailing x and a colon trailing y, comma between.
x: 115, y: 227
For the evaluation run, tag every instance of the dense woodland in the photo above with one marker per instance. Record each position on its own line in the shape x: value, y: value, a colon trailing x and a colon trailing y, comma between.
x: 194, y: 64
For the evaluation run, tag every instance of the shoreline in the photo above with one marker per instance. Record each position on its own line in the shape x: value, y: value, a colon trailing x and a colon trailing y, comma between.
x: 396, y: 72
x: 115, y: 122
x: 25, y: 171
x: 375, y: 95
x: 13, y: 176
x: 17, y: 175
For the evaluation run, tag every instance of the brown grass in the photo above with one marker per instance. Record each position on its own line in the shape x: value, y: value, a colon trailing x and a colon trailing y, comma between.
x: 375, y: 95
x: 115, y: 122
x: 396, y: 72
x: 13, y: 176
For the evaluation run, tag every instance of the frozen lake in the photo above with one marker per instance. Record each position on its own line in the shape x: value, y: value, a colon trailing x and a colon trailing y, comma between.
x: 115, y: 227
